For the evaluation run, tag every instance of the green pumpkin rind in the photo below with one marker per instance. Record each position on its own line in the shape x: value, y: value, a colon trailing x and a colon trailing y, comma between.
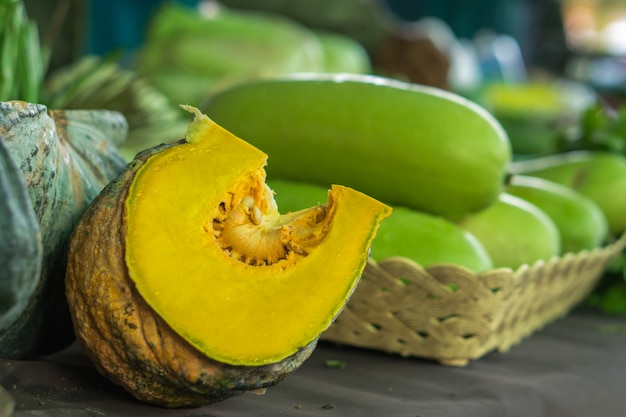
x: 65, y: 158
x: 20, y: 245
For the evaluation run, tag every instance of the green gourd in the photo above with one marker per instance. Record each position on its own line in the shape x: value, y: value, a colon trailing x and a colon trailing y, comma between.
x: 404, y: 144
x: 599, y: 175
x: 419, y: 236
x: 64, y: 159
x: 187, y: 54
x: 581, y: 223
x: 515, y: 232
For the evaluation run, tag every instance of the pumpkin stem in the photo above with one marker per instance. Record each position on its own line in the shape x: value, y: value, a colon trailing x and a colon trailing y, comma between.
x: 200, y: 126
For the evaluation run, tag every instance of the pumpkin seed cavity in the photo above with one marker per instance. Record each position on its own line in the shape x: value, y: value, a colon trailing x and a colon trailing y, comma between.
x: 251, y: 230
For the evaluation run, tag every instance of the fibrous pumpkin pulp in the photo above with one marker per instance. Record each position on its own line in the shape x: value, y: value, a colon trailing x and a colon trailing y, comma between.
x: 187, y: 285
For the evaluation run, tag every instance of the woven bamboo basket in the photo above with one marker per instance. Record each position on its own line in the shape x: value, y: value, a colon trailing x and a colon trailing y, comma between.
x: 452, y: 315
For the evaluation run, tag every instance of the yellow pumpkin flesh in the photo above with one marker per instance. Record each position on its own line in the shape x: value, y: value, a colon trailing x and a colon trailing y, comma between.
x: 243, y: 313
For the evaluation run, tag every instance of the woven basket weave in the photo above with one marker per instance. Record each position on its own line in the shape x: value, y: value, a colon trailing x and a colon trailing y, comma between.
x: 452, y: 315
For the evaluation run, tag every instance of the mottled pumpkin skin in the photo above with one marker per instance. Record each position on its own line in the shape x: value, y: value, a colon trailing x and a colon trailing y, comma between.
x: 65, y: 159
x: 20, y: 245
x: 127, y: 341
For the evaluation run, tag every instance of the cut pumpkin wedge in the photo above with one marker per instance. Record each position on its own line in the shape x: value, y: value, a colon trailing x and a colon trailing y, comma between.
x: 209, y: 251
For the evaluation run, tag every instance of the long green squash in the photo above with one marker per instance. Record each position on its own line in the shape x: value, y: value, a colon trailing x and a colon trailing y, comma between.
x: 404, y: 144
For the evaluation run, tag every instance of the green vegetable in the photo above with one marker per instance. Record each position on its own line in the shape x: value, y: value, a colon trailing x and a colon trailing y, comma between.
x: 188, y: 54
x: 421, y: 237
x: 601, y: 128
x: 515, y: 232
x: 405, y: 144
x: 599, y: 175
x: 581, y: 223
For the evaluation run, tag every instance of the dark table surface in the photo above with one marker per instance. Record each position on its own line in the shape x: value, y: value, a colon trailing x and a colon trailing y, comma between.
x: 576, y: 366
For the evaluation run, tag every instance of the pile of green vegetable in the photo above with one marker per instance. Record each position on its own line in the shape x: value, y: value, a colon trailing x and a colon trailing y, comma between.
x: 567, y: 134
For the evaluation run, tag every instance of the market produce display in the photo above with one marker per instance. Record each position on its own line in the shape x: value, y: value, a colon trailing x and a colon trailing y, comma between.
x: 64, y: 158
x: 595, y: 167
x: 191, y: 277
x: 259, y: 288
x: 553, y: 122
x: 405, y: 144
x: 418, y: 149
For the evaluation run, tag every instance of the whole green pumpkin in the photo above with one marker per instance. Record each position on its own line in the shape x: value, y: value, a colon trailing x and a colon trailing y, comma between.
x: 52, y: 164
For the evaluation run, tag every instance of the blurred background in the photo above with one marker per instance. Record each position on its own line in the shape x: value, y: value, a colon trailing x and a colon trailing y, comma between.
x: 581, y: 39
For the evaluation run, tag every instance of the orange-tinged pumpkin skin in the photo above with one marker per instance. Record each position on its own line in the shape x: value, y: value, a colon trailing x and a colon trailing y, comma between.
x: 206, y: 347
x: 126, y: 340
